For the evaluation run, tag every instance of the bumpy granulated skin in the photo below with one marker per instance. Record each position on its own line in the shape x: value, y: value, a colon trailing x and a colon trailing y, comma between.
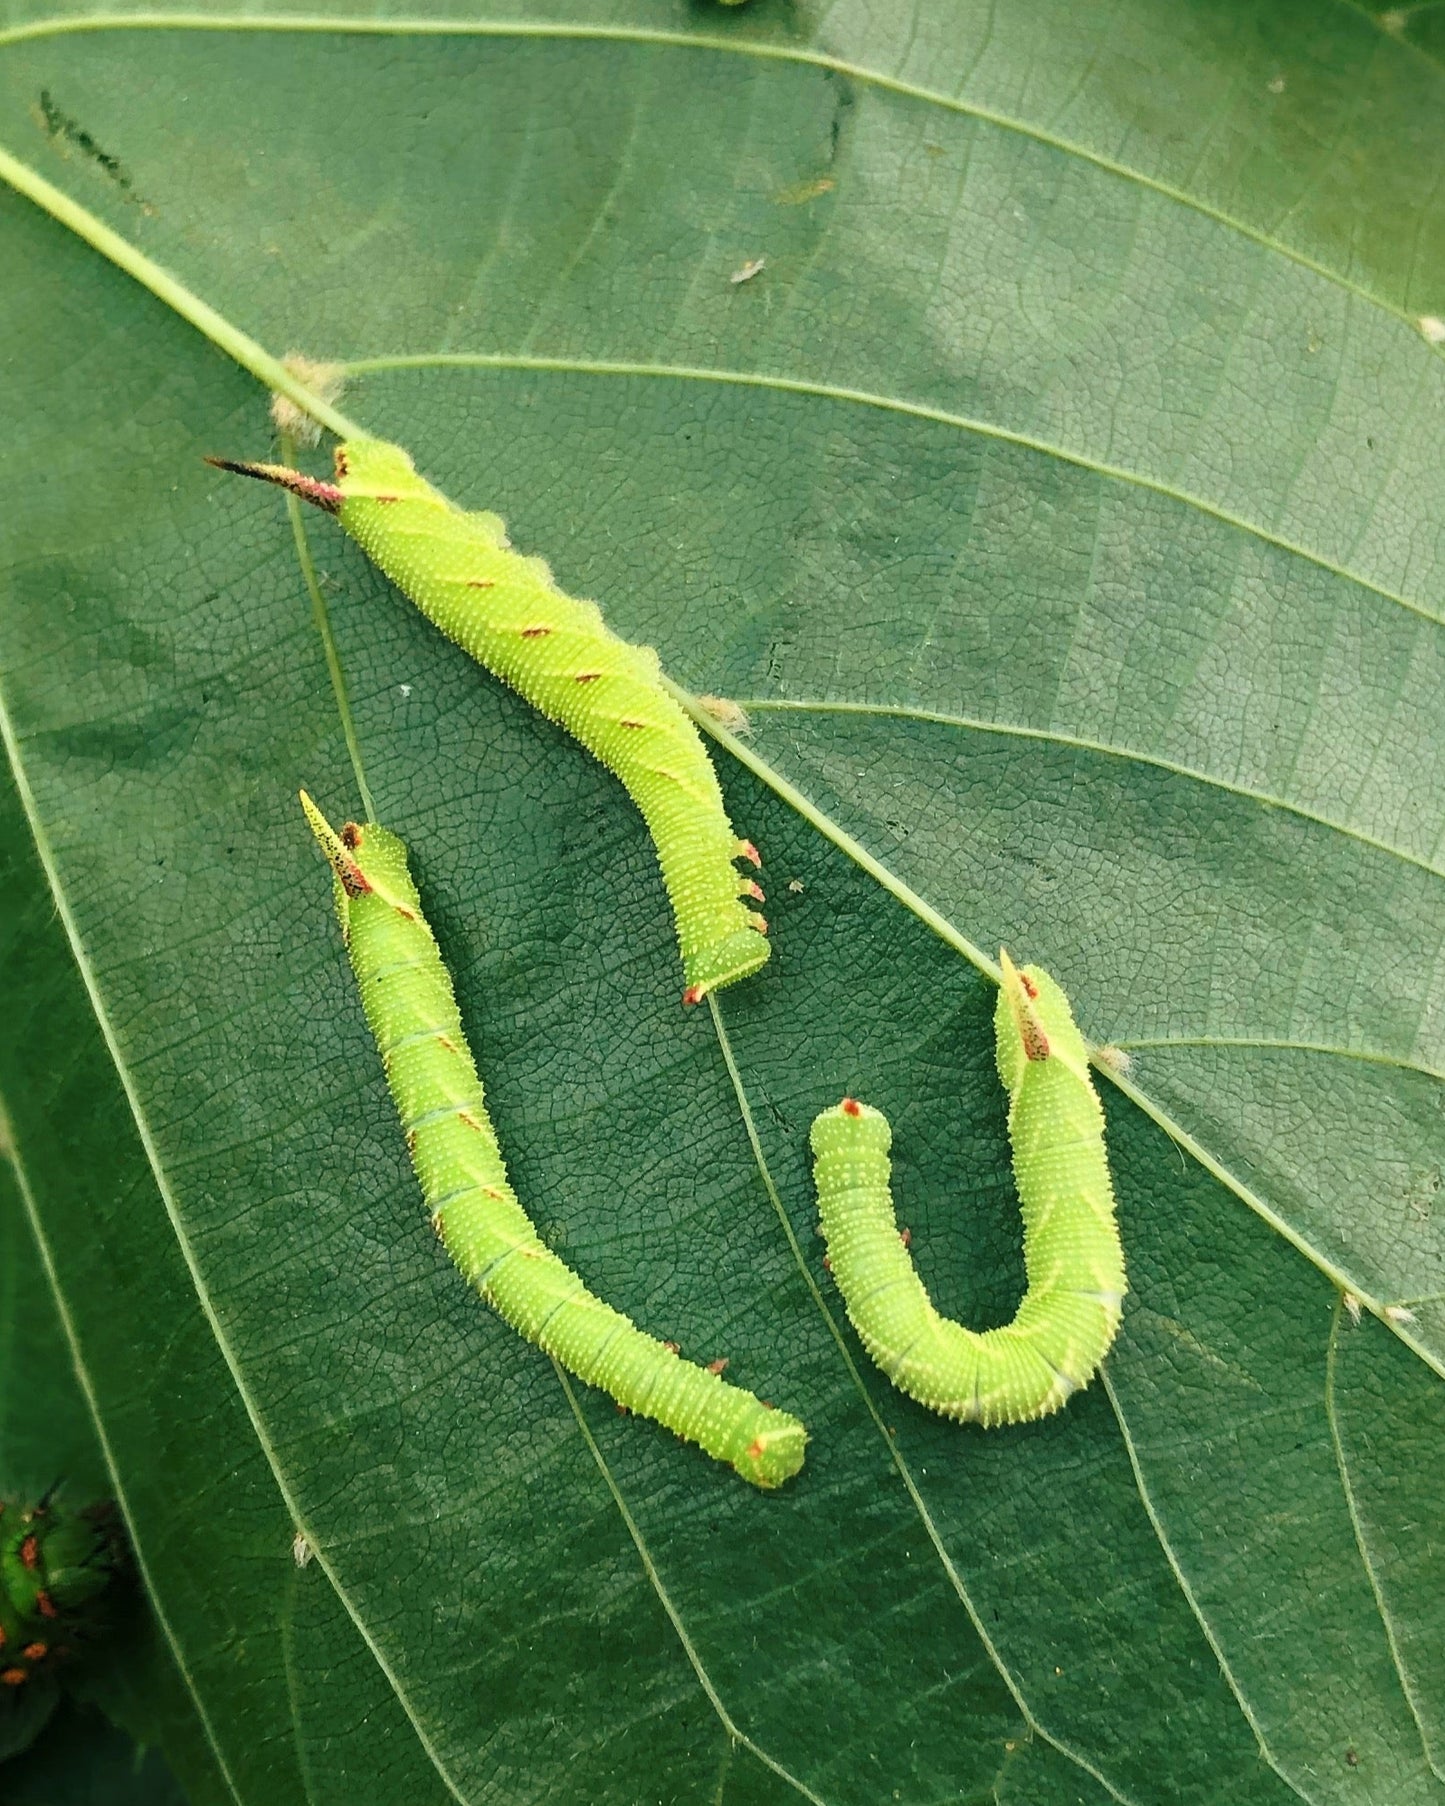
x: 506, y: 611
x: 1070, y: 1311
x: 410, y: 1006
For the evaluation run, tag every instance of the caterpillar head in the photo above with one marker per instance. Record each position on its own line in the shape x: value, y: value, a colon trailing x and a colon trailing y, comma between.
x: 54, y: 1565
x: 850, y: 1129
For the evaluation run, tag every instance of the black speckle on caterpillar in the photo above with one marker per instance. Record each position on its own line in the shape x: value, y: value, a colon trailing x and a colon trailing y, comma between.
x: 55, y: 1565
x: 1070, y: 1311
x: 505, y: 610
x: 407, y: 996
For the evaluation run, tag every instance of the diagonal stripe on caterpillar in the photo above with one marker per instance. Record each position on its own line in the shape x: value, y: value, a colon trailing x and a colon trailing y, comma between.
x: 506, y: 611
x: 406, y: 993
x: 1070, y: 1311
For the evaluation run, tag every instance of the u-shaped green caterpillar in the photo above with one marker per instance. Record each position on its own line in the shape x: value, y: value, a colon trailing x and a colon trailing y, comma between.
x: 557, y: 652
x: 406, y: 993
x: 1075, y: 1264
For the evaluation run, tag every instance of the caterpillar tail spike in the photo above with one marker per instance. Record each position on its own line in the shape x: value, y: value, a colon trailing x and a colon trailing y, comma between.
x: 410, y: 1006
x: 1070, y: 1311
x: 507, y: 612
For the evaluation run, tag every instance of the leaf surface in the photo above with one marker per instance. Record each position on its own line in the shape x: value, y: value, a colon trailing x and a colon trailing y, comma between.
x: 1060, y: 500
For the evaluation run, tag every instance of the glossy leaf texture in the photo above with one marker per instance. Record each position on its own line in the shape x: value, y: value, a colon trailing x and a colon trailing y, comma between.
x: 1060, y: 497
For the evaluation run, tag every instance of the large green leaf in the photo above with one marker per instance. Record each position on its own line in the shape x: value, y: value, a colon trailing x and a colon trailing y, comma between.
x: 1062, y: 498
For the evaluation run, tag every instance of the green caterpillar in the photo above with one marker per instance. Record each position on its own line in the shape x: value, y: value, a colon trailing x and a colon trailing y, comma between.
x: 411, y: 1008
x: 506, y: 611
x: 54, y: 1565
x: 1070, y: 1312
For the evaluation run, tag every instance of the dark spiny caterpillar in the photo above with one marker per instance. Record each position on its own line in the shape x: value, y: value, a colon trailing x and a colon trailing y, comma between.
x: 1068, y: 1316
x: 557, y: 652
x: 411, y: 1008
x: 55, y: 1564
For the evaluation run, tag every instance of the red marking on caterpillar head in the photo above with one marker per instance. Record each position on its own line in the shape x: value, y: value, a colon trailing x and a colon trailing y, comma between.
x: 30, y: 1552
x: 34, y: 1652
x: 587, y: 677
x: 535, y: 633
x: 13, y: 1677
x: 46, y: 1605
x: 694, y: 994
x: 718, y: 1365
x: 851, y: 1107
x: 1028, y: 984
x: 746, y: 850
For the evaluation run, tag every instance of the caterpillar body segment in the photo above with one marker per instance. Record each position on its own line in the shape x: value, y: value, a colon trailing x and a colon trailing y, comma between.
x: 556, y: 651
x: 1071, y: 1308
x: 410, y: 1006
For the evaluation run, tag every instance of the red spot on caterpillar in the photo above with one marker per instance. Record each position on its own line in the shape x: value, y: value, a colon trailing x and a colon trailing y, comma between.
x: 30, y: 1552
x: 906, y: 1237
x: 693, y: 994
x: 827, y: 1264
x: 1036, y: 1042
x: 851, y: 1107
x: 753, y: 889
x: 46, y: 1605
x: 587, y: 677
x: 351, y: 835
x: 535, y: 633
x: 34, y: 1652
x: 1028, y: 984
x: 2, y: 1636
x: 12, y: 1677
x: 754, y: 1450
x: 718, y: 1365
x: 746, y: 850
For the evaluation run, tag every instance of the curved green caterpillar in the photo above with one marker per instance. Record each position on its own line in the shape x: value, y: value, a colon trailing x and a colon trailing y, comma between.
x: 54, y: 1565
x: 1070, y: 1312
x: 506, y: 611
x: 411, y: 1008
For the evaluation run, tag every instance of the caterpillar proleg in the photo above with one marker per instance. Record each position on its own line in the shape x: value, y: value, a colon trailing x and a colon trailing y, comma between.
x: 407, y: 996
x: 506, y: 611
x: 1070, y: 1311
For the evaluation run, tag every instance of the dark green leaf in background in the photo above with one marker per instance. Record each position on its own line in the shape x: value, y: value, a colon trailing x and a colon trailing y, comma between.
x: 1062, y: 498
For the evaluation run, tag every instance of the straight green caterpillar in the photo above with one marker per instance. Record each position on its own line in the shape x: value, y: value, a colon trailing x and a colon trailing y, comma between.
x: 506, y: 611
x: 1070, y: 1311
x: 407, y: 995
